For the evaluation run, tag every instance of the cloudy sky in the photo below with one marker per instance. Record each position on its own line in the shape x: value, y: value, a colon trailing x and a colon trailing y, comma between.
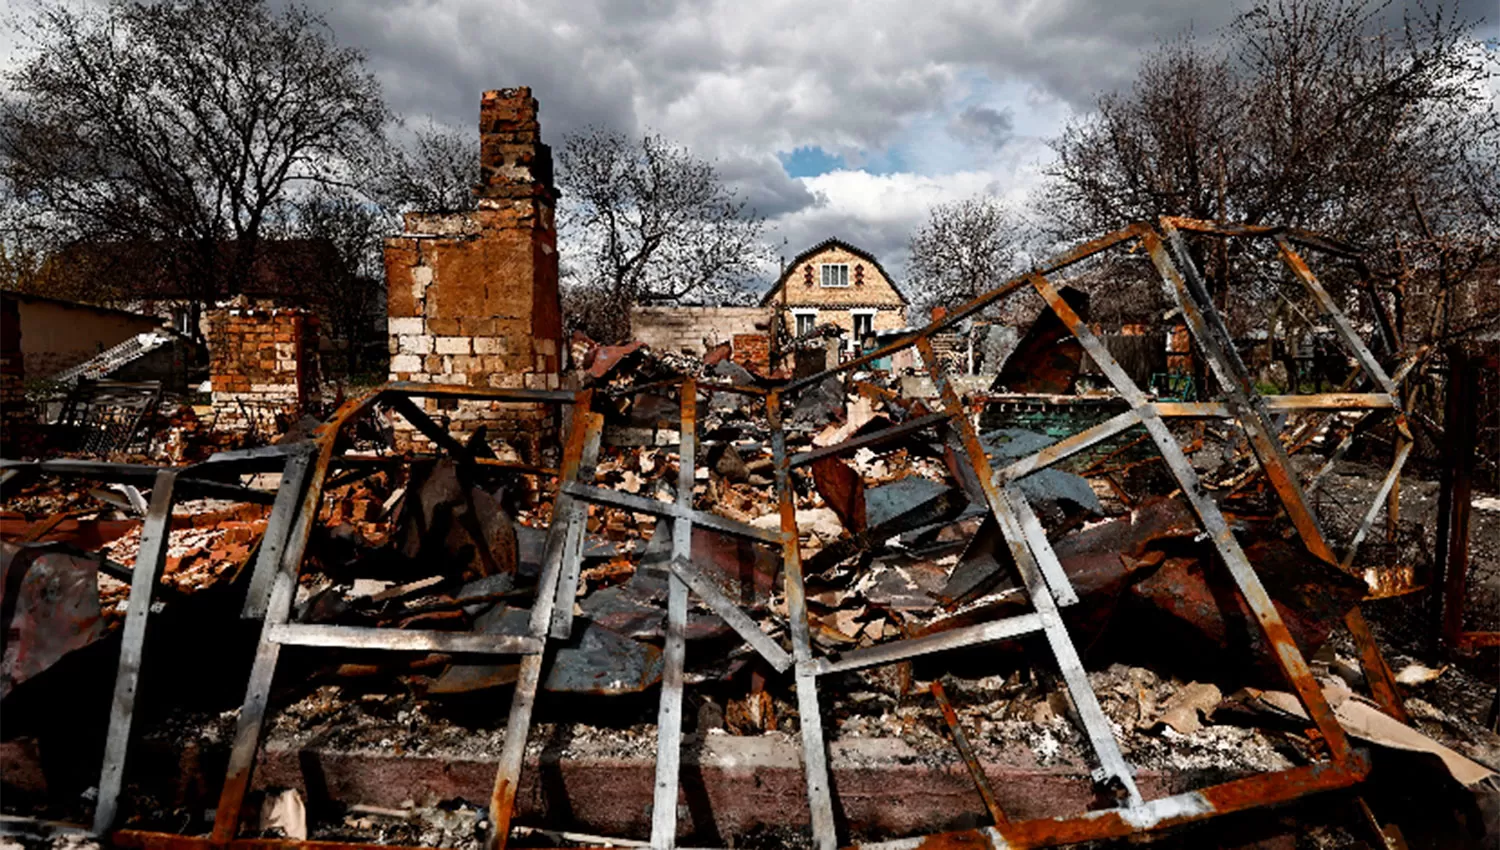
x: 841, y: 119
x: 836, y: 118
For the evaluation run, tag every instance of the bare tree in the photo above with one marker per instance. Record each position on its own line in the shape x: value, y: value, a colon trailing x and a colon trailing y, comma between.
x: 655, y: 222
x: 963, y: 249
x: 433, y: 169
x: 1312, y: 113
x: 344, y: 232
x: 182, y: 124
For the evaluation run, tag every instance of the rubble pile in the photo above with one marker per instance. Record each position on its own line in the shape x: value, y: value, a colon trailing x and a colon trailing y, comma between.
x: 1036, y: 575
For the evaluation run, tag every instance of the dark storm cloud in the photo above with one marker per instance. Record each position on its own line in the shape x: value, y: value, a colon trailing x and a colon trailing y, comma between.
x: 984, y: 126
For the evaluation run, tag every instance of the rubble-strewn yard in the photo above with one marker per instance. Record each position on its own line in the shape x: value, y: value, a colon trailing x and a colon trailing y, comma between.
x: 777, y: 576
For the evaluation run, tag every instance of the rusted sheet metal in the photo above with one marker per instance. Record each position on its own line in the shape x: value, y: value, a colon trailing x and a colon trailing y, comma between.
x: 1214, y: 625
x: 604, y: 359
x: 961, y: 742
x: 1048, y: 358
x: 49, y: 607
x: 843, y: 490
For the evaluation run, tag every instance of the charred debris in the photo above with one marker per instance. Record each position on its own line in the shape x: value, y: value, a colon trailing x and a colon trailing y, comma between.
x: 1061, y: 563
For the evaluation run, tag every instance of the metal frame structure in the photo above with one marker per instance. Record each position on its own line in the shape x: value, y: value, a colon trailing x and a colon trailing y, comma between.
x: 306, y: 477
x: 167, y: 484
x: 1033, y: 554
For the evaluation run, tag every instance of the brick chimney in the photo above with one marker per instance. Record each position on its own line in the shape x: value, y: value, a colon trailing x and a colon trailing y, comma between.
x: 473, y: 296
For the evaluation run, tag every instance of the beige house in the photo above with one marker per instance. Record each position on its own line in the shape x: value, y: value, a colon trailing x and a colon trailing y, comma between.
x: 836, y: 283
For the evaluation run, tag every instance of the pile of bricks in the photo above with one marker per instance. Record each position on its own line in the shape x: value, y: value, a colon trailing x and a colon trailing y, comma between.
x: 264, y: 361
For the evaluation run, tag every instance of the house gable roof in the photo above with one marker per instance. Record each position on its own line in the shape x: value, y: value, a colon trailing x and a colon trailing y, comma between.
x: 831, y: 242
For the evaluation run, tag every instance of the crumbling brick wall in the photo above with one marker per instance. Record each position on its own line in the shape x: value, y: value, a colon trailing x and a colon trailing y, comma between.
x: 753, y: 351
x: 473, y: 296
x: 263, y: 361
x: 13, y: 407
x: 695, y: 329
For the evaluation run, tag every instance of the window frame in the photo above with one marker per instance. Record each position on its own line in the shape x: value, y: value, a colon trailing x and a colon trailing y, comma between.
x: 823, y: 276
x: 800, y: 313
x: 856, y: 339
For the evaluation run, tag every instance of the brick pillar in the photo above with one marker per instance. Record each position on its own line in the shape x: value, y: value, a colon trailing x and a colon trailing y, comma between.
x: 473, y: 296
x: 263, y: 362
x: 13, y: 407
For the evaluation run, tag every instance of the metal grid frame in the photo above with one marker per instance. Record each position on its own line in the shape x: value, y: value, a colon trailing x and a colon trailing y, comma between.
x: 167, y: 483
x: 1032, y: 551
x: 293, y: 514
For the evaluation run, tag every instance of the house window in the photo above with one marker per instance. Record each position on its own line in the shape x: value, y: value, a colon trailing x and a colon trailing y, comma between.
x: 806, y: 321
x: 835, y: 274
x: 864, y: 326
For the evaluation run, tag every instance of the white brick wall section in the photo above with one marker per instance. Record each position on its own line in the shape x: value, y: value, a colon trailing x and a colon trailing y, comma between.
x: 452, y: 345
x: 489, y: 345
x: 406, y: 363
x: 406, y: 326
x: 414, y: 344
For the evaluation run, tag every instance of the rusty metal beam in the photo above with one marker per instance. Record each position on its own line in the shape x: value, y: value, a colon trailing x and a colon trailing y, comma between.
x: 674, y: 651
x: 403, y: 640
x: 901, y: 650
x: 574, y: 517
x: 1341, y: 324
x: 731, y: 614
x: 958, y: 314
x: 278, y: 528
x: 1112, y: 764
x: 523, y: 699
x: 1391, y: 477
x: 884, y: 435
x: 809, y: 713
x: 149, y: 561
x: 1187, y: 288
x: 966, y: 752
x: 1070, y: 446
x: 670, y: 510
x: 1229, y: 797
x: 416, y: 390
x: 278, y: 611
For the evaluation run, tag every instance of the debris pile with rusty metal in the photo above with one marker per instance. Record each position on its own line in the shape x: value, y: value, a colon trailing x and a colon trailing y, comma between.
x: 815, y: 553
